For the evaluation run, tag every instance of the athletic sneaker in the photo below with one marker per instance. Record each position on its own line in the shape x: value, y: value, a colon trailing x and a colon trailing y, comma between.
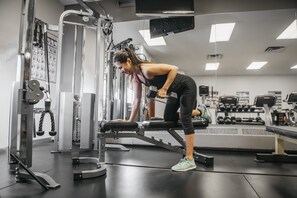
x: 184, y: 165
x: 204, y: 113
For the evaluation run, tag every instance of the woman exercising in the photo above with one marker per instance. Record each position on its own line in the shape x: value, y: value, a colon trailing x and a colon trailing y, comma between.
x: 166, y: 79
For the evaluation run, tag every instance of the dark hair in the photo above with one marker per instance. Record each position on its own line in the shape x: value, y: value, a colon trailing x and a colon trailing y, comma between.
x: 122, y: 57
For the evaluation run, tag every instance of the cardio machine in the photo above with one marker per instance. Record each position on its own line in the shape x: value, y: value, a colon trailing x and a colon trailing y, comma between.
x: 266, y: 101
x: 292, y: 114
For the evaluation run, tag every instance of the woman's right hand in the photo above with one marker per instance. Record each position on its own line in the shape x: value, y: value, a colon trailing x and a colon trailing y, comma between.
x: 162, y: 93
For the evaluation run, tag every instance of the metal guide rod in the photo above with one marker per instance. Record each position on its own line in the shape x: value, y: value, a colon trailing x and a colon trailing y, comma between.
x: 109, y: 88
x: 99, y: 79
x: 74, y: 60
x: 47, y: 78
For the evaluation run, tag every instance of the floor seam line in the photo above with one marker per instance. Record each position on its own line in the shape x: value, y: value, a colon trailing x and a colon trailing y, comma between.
x: 251, y: 185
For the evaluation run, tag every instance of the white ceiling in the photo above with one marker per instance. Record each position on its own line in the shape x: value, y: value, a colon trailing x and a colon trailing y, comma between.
x: 253, y: 33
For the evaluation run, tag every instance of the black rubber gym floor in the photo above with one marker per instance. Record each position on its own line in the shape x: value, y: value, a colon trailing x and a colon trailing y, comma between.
x: 144, y: 172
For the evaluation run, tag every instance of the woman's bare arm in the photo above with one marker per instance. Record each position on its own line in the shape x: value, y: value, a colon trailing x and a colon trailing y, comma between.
x: 137, y: 99
x: 161, y: 69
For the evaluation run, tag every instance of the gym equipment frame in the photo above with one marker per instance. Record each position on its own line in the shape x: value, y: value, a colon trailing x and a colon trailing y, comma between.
x: 64, y: 92
x: 25, y: 93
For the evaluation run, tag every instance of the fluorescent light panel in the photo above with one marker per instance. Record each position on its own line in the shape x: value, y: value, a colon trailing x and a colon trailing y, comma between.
x: 179, y: 12
x: 256, y: 65
x: 294, y: 67
x: 221, y: 32
x: 152, y: 42
x: 290, y: 32
x: 212, y: 66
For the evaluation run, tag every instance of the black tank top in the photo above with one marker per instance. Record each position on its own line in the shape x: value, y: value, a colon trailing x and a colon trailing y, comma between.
x: 178, y: 84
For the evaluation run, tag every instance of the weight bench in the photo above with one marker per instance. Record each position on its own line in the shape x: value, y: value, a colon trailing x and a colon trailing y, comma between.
x: 282, y: 133
x: 114, y: 129
x: 119, y: 129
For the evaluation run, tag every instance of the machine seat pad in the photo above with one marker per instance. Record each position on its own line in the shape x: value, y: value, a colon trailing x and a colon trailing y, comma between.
x: 117, y: 125
x: 161, y: 124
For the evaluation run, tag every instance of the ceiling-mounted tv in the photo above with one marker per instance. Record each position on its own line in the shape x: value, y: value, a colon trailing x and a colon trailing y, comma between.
x: 171, y: 25
x: 164, y: 7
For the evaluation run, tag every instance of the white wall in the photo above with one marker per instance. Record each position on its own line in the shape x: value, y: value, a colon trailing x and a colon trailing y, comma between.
x: 256, y: 85
x: 10, y: 13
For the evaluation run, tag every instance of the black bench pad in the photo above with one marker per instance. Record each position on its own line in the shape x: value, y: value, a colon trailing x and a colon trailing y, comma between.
x: 283, y: 130
x: 154, y: 124
x: 118, y: 126
x: 161, y: 124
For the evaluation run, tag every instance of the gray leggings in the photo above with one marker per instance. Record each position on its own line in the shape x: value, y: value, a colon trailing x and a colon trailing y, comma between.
x: 186, y: 101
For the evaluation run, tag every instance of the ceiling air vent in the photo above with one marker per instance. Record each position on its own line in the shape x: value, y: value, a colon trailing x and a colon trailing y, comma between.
x: 275, y: 49
x: 214, y: 56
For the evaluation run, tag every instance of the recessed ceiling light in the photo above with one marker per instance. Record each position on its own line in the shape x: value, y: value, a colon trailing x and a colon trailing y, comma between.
x: 290, y: 32
x: 221, y: 32
x: 256, y: 65
x: 212, y: 66
x: 294, y: 67
x: 152, y: 42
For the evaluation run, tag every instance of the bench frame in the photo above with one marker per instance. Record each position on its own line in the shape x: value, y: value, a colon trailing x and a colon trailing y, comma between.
x: 140, y: 134
x: 133, y: 132
x: 279, y: 154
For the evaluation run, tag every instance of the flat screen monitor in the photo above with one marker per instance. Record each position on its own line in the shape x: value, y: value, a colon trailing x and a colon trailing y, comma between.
x: 172, y: 25
x: 261, y: 100
x: 229, y: 100
x: 203, y: 90
x: 292, y: 98
x: 164, y: 7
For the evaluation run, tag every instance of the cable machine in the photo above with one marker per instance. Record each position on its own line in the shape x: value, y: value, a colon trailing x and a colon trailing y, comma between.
x: 25, y: 94
x: 73, y: 59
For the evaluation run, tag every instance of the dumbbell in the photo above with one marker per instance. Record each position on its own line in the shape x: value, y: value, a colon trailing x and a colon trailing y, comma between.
x: 221, y: 107
x: 233, y: 120
x: 238, y: 119
x: 227, y: 120
x: 247, y: 119
x: 259, y: 119
x: 228, y: 107
x: 152, y: 94
x: 233, y: 108
x: 246, y: 108
x: 220, y: 120
x: 153, y: 90
x: 239, y: 108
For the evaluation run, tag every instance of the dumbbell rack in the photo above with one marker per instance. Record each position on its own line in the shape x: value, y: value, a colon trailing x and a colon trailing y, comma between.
x: 249, y: 121
x: 229, y: 104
